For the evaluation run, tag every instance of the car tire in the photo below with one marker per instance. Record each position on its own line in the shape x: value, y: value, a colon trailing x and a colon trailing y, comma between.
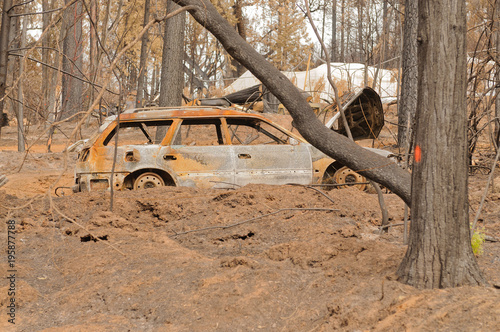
x: 148, y: 180
x: 346, y: 175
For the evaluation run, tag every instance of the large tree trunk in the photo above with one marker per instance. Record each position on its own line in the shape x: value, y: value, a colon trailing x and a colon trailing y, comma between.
x: 408, y: 101
x: 172, y: 73
x: 72, y: 88
x: 4, y: 51
x: 143, y: 60
x: 311, y: 128
x: 439, y: 253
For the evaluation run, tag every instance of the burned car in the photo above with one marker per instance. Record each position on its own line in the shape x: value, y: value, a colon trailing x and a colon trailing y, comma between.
x: 206, y: 147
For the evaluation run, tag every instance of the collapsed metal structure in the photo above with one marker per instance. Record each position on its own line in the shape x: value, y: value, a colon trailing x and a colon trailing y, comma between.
x: 363, y: 108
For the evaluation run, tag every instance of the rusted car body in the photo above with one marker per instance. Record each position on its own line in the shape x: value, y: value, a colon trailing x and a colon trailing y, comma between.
x: 206, y: 147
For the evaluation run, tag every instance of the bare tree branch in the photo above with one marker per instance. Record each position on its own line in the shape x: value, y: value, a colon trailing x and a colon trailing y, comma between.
x: 37, y: 13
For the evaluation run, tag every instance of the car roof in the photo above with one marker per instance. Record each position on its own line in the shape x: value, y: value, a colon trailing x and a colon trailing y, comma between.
x: 186, y: 112
x: 159, y: 113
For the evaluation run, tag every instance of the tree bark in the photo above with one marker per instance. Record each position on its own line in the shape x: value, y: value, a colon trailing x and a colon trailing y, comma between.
x: 369, y: 164
x: 361, y: 49
x: 20, y: 94
x: 13, y: 63
x: 408, y: 101
x: 334, y: 50
x: 72, y: 88
x: 93, y: 51
x: 143, y: 60
x: 45, y: 55
x: 4, y: 51
x: 342, y: 33
x: 172, y: 72
x: 439, y: 253
x: 242, y: 31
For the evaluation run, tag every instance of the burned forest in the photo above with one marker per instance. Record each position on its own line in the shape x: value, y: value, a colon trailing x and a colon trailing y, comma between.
x: 235, y: 165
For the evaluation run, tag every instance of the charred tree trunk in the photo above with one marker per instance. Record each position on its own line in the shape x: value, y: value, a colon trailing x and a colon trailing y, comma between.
x: 143, y: 60
x: 408, y: 102
x: 439, y: 253
x: 172, y: 73
x: 361, y: 50
x: 310, y: 127
x: 4, y: 51
x: 342, y: 33
x: 334, y: 50
x: 20, y: 94
x: 72, y: 88
x: 45, y: 57
x: 93, y: 55
x: 242, y: 31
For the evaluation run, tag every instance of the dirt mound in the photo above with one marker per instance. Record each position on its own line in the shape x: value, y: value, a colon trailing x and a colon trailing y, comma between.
x: 260, y: 257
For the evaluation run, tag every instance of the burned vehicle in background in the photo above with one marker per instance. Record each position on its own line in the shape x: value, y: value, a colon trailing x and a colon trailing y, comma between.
x: 206, y: 147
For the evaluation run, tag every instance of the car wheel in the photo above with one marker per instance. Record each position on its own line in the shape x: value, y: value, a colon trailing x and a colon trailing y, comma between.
x: 148, y: 180
x: 346, y: 175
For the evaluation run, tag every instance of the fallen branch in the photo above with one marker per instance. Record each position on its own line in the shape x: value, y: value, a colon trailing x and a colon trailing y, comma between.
x: 381, y: 202
x: 313, y: 188
x: 491, y: 239
x: 252, y: 219
x: 338, y: 184
x: 390, y: 225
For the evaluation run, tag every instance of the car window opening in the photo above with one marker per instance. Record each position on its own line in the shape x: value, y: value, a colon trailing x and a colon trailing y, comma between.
x: 139, y: 133
x: 199, y: 133
x: 255, y: 132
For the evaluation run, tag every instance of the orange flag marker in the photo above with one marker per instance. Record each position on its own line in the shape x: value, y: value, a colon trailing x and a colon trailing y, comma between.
x: 418, y: 154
